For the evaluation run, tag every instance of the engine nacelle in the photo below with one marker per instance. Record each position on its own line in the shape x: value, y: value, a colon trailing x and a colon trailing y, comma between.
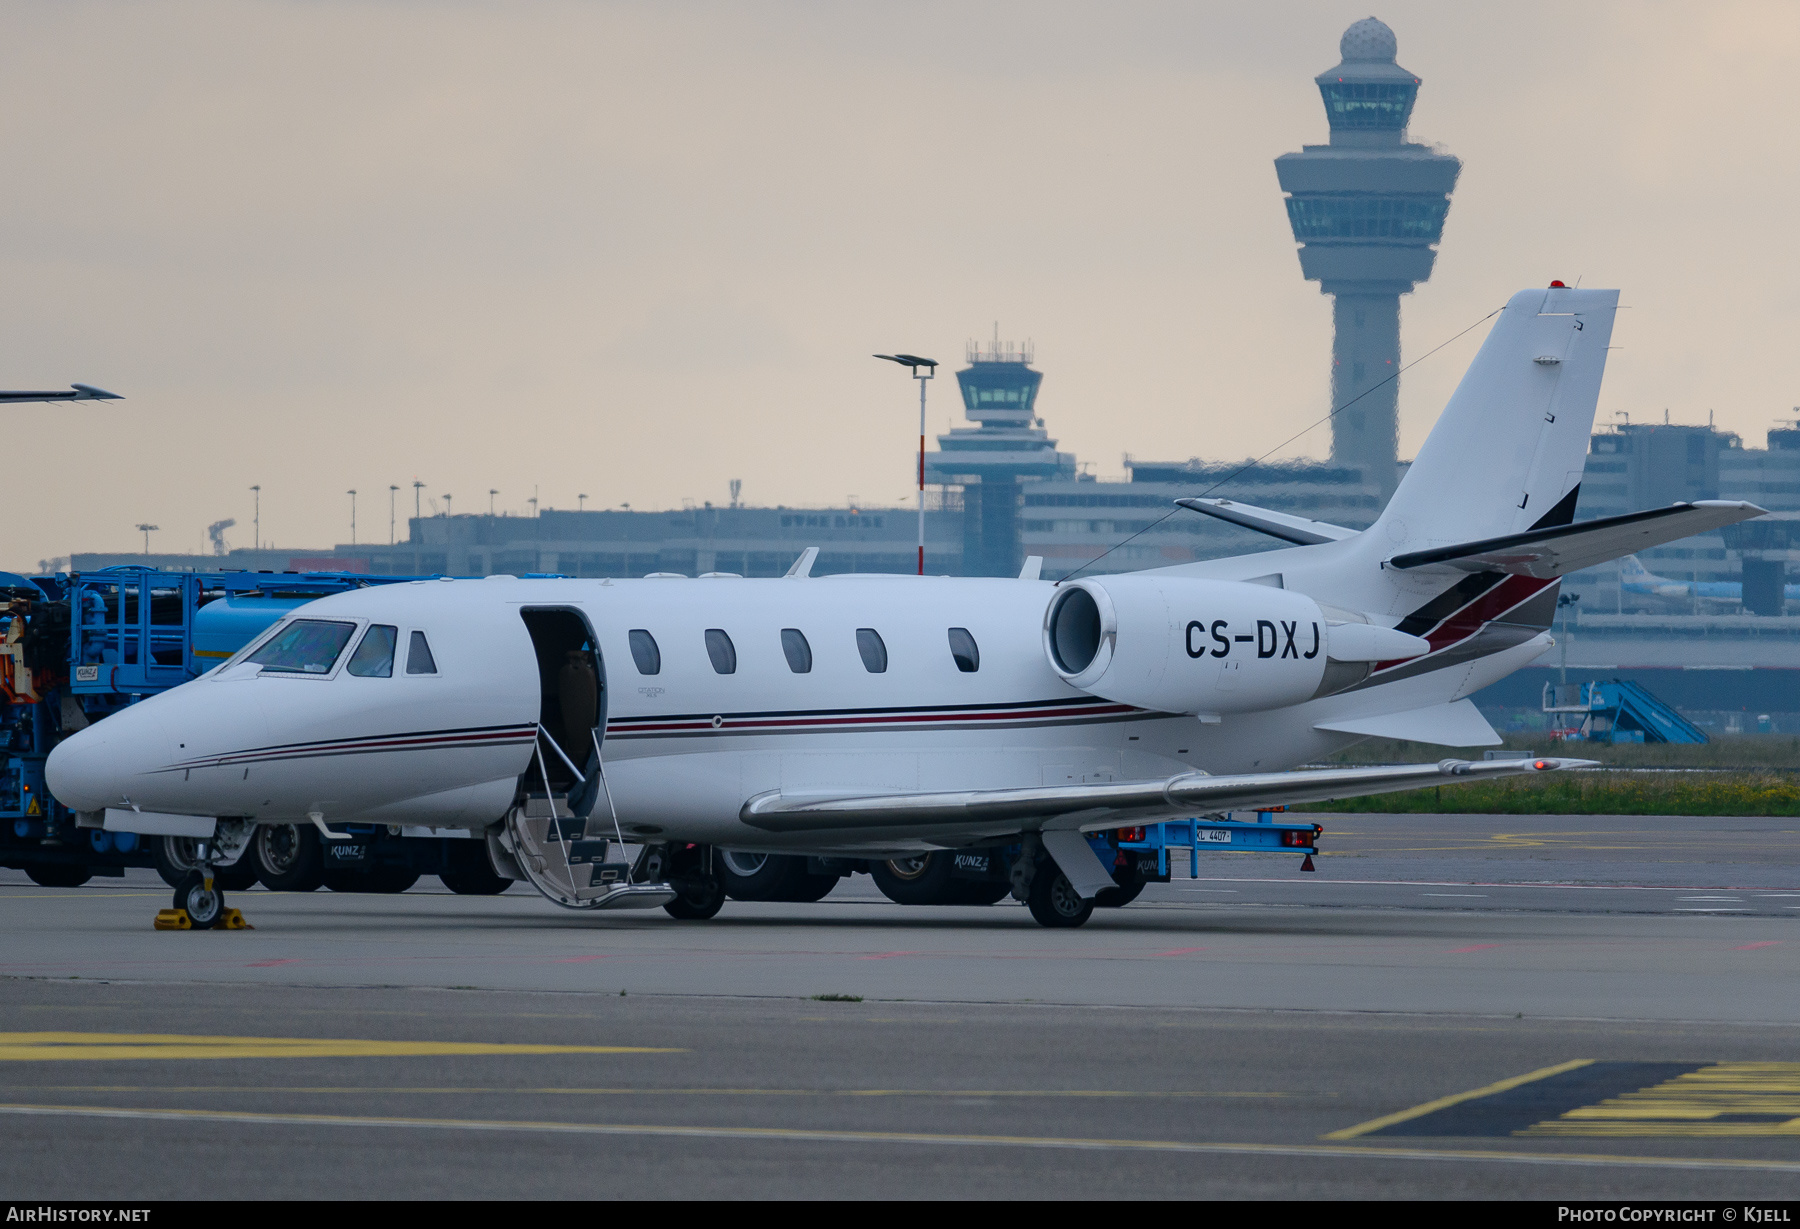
x: 1181, y: 645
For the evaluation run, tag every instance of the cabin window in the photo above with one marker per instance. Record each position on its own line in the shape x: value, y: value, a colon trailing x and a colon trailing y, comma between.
x: 874, y: 652
x: 799, y: 653
x: 305, y: 646
x: 418, y: 656
x: 963, y: 650
x: 374, y: 657
x: 721, y: 650
x: 644, y: 652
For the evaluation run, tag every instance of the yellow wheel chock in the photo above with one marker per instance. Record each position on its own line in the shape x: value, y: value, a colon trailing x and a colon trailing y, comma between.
x: 177, y: 919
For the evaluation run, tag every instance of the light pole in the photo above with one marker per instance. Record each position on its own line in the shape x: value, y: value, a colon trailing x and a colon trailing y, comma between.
x: 491, y: 493
x: 923, y: 369
x: 581, y: 503
x: 393, y: 491
x: 352, y: 493
x: 257, y: 518
x: 447, y: 498
x: 147, y: 530
x: 417, y: 487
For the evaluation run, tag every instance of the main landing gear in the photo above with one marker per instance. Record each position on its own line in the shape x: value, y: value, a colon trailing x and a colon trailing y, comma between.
x: 1053, y: 900
x: 696, y: 874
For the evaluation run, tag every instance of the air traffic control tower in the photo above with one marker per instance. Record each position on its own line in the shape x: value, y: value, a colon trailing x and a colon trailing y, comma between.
x: 1008, y: 446
x: 1368, y: 210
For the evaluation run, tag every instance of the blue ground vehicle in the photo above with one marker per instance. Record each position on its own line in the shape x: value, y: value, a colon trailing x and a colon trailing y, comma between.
x: 76, y: 647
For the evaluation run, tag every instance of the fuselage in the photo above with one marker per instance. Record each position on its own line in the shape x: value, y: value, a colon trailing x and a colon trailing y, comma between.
x: 713, y: 691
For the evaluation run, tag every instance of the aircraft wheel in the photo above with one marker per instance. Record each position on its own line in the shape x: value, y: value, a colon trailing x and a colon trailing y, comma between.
x: 470, y: 873
x: 1124, y: 894
x: 390, y: 880
x: 923, y: 879
x: 983, y: 892
x: 204, y: 905
x: 696, y: 898
x: 1054, y: 901
x: 809, y: 888
x: 58, y: 874
x: 762, y: 876
x: 287, y: 857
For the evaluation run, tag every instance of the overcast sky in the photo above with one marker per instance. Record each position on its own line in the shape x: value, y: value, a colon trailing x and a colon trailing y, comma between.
x: 637, y: 250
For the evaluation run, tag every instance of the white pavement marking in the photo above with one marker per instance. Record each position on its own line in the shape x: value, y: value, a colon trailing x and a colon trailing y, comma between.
x: 790, y: 1134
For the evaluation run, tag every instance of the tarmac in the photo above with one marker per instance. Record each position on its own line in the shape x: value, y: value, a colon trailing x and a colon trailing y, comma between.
x: 1451, y: 1007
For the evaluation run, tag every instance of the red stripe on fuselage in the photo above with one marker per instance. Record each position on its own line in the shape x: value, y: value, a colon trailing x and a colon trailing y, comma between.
x: 1467, y: 620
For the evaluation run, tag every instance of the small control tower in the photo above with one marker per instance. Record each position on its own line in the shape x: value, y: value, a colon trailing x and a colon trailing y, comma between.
x: 1368, y: 210
x: 999, y: 391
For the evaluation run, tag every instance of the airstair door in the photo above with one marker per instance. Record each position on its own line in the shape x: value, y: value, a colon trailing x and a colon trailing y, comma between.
x: 572, y: 855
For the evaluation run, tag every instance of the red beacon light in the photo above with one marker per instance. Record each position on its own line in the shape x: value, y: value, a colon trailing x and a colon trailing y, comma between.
x: 1542, y: 765
x: 1558, y: 286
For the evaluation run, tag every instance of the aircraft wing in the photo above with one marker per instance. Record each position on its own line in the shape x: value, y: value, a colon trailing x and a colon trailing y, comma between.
x: 1283, y: 525
x: 1561, y: 549
x: 1109, y: 804
x: 75, y: 392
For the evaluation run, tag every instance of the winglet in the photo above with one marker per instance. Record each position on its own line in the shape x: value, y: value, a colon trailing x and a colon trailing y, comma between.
x: 802, y: 569
x: 87, y: 392
x: 1033, y: 569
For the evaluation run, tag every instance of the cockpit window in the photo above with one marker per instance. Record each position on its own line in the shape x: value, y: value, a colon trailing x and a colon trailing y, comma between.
x: 418, y: 656
x: 374, y: 657
x: 644, y: 652
x: 305, y: 646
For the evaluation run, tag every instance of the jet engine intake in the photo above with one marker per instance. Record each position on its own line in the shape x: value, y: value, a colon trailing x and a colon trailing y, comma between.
x: 1181, y: 645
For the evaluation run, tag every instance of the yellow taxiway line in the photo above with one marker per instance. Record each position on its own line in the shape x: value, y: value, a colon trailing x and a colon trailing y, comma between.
x: 60, y: 1047
x: 1430, y: 1107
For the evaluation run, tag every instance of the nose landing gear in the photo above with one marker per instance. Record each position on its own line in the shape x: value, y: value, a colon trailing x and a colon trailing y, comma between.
x: 200, y: 895
x: 200, y: 905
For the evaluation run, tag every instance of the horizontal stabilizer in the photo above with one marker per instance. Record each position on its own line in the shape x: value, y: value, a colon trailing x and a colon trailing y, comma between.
x: 1561, y: 549
x: 950, y: 816
x: 1459, y: 724
x: 1296, y: 529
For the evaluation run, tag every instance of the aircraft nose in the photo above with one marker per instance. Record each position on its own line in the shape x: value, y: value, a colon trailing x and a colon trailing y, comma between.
x: 82, y: 771
x: 95, y: 768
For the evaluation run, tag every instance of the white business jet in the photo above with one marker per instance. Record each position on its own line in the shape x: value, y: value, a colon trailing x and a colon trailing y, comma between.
x: 887, y: 717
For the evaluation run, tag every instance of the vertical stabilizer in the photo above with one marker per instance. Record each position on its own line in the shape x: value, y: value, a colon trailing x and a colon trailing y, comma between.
x: 1507, y: 453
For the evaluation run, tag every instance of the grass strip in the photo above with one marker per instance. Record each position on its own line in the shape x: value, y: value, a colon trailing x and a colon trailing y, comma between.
x: 1593, y: 793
